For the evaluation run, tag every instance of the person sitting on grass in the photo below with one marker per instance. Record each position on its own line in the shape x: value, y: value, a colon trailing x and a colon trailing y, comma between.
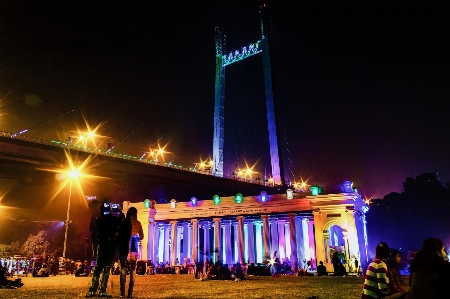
x: 340, y: 270
x: 5, y: 282
x: 321, y: 269
x: 376, y: 282
x: 395, y: 285
x: 430, y: 272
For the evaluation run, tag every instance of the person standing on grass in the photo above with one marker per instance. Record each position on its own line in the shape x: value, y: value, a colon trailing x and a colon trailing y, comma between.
x: 130, y: 236
x: 107, y: 229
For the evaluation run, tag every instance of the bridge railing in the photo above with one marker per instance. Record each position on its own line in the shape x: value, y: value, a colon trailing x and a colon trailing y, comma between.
x: 71, y: 146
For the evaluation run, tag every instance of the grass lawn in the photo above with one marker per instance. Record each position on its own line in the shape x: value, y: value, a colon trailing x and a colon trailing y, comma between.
x: 185, y: 286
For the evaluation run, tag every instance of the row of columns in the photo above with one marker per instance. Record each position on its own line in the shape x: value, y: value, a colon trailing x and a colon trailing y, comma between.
x: 276, y: 231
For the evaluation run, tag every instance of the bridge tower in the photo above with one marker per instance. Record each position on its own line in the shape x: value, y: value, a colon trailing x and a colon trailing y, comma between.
x: 262, y: 46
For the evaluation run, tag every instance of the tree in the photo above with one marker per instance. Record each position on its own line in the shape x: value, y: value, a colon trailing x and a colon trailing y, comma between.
x: 14, y: 248
x: 4, y: 250
x: 425, y: 184
x: 404, y: 220
x: 37, y: 246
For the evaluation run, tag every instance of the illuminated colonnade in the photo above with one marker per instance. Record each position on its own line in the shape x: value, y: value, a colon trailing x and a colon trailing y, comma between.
x: 245, y: 248
x: 250, y: 230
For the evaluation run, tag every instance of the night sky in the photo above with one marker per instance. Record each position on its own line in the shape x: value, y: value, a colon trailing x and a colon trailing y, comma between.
x: 362, y: 88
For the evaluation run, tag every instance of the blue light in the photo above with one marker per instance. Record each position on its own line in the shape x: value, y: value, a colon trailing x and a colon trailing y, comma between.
x: 263, y: 196
x: 194, y: 201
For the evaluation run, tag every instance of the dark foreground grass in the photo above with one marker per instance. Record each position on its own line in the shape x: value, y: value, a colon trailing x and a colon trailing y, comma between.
x: 185, y: 286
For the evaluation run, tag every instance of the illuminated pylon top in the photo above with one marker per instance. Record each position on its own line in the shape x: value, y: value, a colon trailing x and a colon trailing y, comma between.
x: 245, y: 52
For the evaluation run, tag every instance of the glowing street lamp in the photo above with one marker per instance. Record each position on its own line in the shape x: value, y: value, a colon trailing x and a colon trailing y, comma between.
x: 73, y: 174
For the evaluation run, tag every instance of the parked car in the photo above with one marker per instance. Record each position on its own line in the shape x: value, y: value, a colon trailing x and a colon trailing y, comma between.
x: 39, y: 268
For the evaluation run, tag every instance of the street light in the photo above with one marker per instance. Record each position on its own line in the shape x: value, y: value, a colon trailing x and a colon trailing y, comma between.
x: 72, y: 174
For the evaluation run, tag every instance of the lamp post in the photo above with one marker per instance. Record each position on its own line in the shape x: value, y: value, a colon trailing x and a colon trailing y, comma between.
x: 73, y: 174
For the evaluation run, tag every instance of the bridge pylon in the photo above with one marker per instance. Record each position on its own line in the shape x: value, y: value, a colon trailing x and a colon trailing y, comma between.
x: 222, y: 60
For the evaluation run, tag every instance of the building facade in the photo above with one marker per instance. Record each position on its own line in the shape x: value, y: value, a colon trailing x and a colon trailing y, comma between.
x: 300, y: 227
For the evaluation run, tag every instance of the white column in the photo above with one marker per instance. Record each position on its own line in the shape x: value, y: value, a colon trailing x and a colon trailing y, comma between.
x: 251, y: 242
x: 156, y: 253
x: 166, y: 256
x: 228, y: 249
x: 312, y: 245
x: 151, y: 239
x: 259, y: 242
x: 144, y: 242
x: 173, y: 242
x: 206, y: 246
x: 266, y: 240
x: 189, y: 254
x: 326, y: 241
x: 281, y: 241
x: 241, y: 244
x: 185, y: 242
x: 216, y: 239
x: 235, y: 243
x: 194, y: 240
x: 308, y: 252
x: 293, y: 240
x: 300, y: 241
x: 274, y: 244
x: 178, y: 252
x: 353, y: 240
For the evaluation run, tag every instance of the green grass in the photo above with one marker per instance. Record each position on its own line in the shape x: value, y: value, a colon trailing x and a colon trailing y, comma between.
x: 185, y: 286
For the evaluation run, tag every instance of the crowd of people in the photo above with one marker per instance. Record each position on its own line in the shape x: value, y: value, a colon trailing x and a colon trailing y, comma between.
x: 15, y: 264
x: 429, y: 273
x: 114, y: 234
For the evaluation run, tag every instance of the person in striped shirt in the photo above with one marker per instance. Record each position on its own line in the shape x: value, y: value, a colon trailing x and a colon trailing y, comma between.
x: 376, y: 282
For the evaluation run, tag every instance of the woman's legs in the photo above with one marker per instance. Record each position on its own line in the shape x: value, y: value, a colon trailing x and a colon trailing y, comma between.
x: 133, y: 263
x: 123, y: 274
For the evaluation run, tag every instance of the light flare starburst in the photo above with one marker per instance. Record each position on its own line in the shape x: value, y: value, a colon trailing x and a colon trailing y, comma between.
x: 302, y: 185
x: 86, y: 136
x: 155, y: 153
x: 204, y: 165
x: 247, y: 171
x: 73, y: 174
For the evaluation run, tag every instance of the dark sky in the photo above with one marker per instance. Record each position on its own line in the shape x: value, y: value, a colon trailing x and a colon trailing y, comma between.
x: 362, y: 88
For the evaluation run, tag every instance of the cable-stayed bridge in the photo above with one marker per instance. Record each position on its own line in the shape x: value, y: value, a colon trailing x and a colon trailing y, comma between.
x: 20, y: 152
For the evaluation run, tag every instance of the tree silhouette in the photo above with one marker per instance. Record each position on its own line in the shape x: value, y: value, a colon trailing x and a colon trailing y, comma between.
x: 404, y: 220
